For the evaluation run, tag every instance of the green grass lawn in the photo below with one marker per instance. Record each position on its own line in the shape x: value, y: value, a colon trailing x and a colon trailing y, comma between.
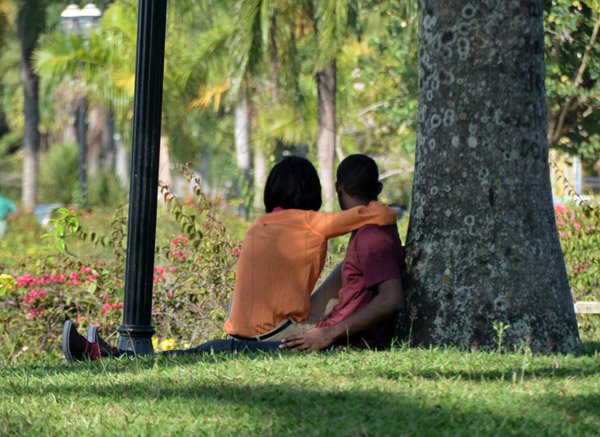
x: 400, y: 392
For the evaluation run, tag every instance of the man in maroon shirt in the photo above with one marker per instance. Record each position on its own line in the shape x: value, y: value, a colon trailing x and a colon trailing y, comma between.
x: 370, y: 279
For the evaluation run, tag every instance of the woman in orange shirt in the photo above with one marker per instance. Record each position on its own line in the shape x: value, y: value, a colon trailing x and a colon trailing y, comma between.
x: 282, y: 256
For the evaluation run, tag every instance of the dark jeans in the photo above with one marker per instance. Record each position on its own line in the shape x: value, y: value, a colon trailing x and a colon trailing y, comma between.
x: 228, y: 345
x: 220, y: 345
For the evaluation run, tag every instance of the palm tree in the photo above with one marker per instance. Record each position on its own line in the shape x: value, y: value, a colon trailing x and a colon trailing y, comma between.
x: 247, y: 52
x: 5, y: 13
x: 334, y: 21
x: 101, y: 68
x: 31, y: 18
x: 331, y: 25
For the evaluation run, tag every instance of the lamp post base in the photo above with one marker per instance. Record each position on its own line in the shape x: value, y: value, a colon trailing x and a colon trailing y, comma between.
x: 137, y: 339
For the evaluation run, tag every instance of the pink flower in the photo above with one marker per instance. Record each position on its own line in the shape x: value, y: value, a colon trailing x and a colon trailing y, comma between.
x: 159, y: 270
x: 33, y: 313
x: 172, y: 269
x: 236, y: 251
x: 96, y: 325
x: 25, y: 280
x: 111, y: 306
x: 169, y: 295
x: 79, y: 319
x: 179, y: 254
x: 179, y: 239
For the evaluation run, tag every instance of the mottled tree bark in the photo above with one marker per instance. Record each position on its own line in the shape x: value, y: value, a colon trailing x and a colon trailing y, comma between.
x: 326, y: 86
x: 482, y: 246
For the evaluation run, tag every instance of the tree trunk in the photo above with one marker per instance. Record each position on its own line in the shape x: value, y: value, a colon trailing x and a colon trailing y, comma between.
x: 122, y: 157
x: 326, y: 83
x: 164, y: 166
x: 108, y: 142
x: 482, y: 247
x: 83, y: 149
x: 96, y: 133
x: 31, y: 134
x: 4, y: 129
x: 242, y: 148
x: 274, y: 61
x: 260, y: 177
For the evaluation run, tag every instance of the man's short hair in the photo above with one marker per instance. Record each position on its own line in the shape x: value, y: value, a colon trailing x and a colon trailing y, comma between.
x: 359, y: 177
x: 293, y: 183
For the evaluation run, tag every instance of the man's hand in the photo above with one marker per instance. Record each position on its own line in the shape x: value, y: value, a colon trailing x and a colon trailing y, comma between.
x: 315, y: 339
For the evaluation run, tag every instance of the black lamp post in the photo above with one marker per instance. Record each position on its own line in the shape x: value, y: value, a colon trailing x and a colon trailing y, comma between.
x: 81, y: 22
x: 136, y: 330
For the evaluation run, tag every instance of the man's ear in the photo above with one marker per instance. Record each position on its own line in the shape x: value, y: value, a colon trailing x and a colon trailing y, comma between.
x: 379, y: 188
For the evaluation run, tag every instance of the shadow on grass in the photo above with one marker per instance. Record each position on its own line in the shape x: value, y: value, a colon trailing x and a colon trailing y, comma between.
x: 292, y: 410
x: 537, y: 372
x: 543, y: 368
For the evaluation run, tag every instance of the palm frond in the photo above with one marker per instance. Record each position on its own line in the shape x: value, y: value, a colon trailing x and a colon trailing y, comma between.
x: 213, y: 94
x: 331, y: 17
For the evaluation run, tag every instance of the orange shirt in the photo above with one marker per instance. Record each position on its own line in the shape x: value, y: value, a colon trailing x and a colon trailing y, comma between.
x: 282, y: 256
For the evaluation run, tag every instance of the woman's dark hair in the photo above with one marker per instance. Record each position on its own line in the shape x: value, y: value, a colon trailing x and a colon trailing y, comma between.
x: 293, y: 183
x: 359, y: 177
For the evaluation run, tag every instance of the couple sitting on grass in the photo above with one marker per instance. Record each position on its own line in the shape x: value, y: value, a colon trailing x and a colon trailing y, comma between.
x: 283, y: 253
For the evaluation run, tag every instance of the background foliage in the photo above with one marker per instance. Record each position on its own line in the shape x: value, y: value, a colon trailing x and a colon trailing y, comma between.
x: 271, y: 49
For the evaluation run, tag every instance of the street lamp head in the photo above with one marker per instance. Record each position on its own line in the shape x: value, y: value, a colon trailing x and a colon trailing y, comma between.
x: 80, y: 21
x: 69, y: 18
x: 88, y: 17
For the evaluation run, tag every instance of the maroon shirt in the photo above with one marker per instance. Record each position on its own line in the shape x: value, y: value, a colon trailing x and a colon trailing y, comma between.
x: 374, y: 255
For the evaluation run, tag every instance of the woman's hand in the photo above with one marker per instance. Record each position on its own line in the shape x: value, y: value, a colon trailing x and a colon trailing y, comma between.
x: 312, y: 340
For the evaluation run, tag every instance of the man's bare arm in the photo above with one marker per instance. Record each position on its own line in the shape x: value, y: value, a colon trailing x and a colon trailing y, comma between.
x: 389, y: 300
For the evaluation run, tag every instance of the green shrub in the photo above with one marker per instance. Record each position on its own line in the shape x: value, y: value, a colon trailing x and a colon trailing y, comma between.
x: 579, y: 231
x: 105, y: 189
x: 59, y: 174
x: 194, y: 276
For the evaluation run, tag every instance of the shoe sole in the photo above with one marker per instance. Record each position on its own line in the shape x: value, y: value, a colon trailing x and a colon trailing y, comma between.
x: 66, y: 336
x: 92, y: 334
